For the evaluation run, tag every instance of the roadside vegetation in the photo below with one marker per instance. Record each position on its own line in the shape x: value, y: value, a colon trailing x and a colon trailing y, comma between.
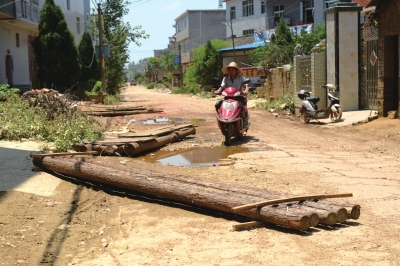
x: 20, y: 121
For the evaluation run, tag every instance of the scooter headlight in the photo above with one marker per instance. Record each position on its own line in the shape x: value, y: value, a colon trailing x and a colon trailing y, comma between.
x: 237, y: 93
x: 224, y: 93
x: 229, y: 105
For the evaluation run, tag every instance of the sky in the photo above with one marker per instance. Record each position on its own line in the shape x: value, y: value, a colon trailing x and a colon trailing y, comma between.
x: 157, y: 18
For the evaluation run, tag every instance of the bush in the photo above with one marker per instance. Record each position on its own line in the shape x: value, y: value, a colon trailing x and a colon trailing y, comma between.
x: 288, y: 100
x: 6, y: 92
x: 151, y: 86
x: 188, y: 89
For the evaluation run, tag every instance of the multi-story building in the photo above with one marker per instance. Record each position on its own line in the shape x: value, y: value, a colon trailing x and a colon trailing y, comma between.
x: 19, y: 20
x: 247, y: 17
x: 194, y: 28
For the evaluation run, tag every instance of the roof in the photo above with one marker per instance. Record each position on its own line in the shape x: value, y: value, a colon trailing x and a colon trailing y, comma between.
x: 375, y: 2
x: 247, y: 46
x: 363, y: 3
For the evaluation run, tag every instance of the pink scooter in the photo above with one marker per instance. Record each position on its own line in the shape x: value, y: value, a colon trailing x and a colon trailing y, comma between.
x: 231, y: 122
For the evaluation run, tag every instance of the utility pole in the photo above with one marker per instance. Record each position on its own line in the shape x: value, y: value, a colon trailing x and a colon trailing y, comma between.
x: 102, y: 67
x: 180, y: 68
x: 233, y: 41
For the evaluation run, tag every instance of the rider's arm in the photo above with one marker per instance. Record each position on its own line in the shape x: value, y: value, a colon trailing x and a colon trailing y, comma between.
x: 220, y: 89
x: 246, y: 89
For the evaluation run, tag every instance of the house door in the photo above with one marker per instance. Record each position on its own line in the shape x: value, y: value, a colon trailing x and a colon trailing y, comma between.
x: 391, y: 74
x: 369, y: 68
x: 9, y: 70
x: 371, y: 75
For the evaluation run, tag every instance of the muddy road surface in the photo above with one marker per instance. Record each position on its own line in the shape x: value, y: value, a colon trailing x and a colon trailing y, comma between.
x: 48, y: 219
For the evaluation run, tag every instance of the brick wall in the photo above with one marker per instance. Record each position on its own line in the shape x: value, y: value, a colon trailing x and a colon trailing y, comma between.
x: 388, y: 66
x: 278, y: 84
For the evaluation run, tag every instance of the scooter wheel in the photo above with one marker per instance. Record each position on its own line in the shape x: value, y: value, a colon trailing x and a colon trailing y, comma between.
x: 227, y: 137
x: 304, y: 118
x: 336, y: 116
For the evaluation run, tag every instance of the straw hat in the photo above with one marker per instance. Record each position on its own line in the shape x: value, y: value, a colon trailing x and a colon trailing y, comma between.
x: 234, y: 65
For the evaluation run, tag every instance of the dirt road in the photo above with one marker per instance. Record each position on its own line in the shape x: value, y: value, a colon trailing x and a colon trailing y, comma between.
x: 72, y: 223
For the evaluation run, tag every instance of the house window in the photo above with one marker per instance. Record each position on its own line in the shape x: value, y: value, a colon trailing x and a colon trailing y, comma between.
x: 309, y: 11
x: 279, y: 11
x: 233, y: 12
x: 263, y: 7
x: 248, y: 8
x: 248, y: 32
x: 182, y: 24
x: 78, y: 25
x: 68, y: 5
x: 17, y: 39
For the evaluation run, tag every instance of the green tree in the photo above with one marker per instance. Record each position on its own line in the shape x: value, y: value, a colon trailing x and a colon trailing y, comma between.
x: 55, y: 51
x: 118, y: 35
x: 309, y: 40
x: 90, y: 66
x: 207, y: 63
x: 282, y: 45
x: 258, y: 56
x: 153, y: 64
x: 167, y: 61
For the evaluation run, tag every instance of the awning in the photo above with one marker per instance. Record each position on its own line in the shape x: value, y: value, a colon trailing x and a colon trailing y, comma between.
x: 247, y: 46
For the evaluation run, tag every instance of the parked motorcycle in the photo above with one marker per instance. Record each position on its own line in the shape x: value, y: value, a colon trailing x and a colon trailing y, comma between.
x: 232, y: 120
x: 309, y: 109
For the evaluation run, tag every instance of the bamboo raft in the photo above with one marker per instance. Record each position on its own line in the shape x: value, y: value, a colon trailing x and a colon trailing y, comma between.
x: 133, y: 143
x: 104, y: 110
x: 262, y: 206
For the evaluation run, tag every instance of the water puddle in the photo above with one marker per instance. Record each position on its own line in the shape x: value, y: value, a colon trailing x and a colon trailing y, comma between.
x: 196, y: 156
x: 162, y: 120
x: 166, y: 120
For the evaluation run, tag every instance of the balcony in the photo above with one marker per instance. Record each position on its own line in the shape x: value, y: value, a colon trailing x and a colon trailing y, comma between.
x: 28, y: 11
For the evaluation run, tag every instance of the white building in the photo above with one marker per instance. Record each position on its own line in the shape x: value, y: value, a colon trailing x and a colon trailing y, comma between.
x: 19, y: 20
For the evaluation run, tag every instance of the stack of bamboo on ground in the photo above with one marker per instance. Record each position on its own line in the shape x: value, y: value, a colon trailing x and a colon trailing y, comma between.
x: 260, y: 205
x: 131, y: 143
x: 99, y: 110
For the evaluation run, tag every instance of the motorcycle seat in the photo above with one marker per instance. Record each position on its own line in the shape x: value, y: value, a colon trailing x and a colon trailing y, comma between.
x: 313, y: 100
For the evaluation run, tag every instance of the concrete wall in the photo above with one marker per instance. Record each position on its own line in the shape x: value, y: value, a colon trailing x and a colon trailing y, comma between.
x: 348, y: 61
x: 19, y: 54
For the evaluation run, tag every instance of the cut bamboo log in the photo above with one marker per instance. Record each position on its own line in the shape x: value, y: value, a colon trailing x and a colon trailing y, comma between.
x: 276, y: 201
x: 157, y: 184
x: 136, y: 148
x: 156, y: 131
x: 341, y: 212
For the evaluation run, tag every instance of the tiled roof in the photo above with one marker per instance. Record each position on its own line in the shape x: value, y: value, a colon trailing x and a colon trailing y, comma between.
x: 363, y: 3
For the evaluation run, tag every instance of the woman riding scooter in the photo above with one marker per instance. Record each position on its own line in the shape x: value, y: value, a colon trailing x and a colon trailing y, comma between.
x: 233, y: 78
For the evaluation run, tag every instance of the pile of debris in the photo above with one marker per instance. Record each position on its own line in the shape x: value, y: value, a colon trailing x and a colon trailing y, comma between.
x: 50, y: 100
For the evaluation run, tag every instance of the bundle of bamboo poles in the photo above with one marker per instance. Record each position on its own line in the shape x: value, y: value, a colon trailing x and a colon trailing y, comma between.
x: 230, y: 198
x: 124, y: 146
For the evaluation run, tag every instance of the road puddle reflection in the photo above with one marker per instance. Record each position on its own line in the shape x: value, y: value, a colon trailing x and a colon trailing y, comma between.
x: 196, y: 156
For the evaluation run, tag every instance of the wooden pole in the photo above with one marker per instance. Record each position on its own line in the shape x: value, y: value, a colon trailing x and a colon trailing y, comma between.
x: 276, y: 201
